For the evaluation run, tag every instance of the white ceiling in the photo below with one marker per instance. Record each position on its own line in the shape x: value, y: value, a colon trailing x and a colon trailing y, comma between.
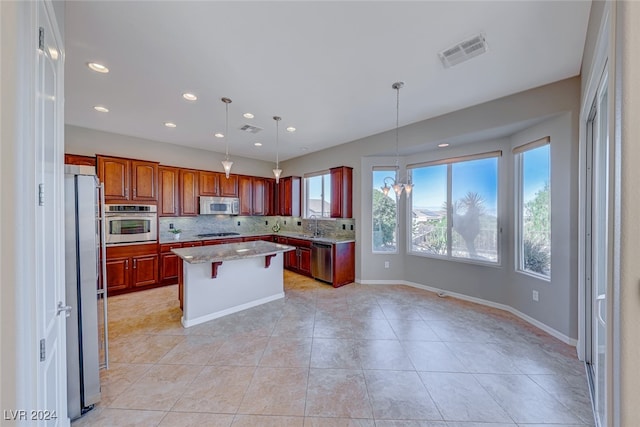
x: 326, y: 67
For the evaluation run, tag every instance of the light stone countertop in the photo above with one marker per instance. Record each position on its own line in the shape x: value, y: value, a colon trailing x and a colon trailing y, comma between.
x: 230, y: 251
x: 294, y: 235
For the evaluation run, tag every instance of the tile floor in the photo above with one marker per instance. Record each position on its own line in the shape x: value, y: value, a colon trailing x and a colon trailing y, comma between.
x: 385, y: 356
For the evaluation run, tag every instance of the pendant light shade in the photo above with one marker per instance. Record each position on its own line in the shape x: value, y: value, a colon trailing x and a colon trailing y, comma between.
x: 226, y: 163
x: 277, y: 171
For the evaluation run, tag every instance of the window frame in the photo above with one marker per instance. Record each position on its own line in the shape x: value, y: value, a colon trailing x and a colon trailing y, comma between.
x: 518, y: 153
x: 324, y: 185
x: 393, y: 173
x: 497, y: 154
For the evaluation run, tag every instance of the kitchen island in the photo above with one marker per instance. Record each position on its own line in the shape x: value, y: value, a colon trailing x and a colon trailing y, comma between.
x: 222, y: 279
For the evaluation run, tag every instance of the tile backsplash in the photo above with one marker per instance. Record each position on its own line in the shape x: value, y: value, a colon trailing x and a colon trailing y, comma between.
x: 190, y: 226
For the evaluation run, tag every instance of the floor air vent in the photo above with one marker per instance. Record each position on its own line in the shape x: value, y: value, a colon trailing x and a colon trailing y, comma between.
x: 463, y: 51
x: 250, y: 129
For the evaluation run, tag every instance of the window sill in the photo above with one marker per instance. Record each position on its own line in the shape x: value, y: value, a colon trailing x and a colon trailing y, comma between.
x: 460, y: 260
x: 535, y: 275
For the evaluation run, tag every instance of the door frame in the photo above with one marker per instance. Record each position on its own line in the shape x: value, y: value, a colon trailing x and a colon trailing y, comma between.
x: 21, y: 388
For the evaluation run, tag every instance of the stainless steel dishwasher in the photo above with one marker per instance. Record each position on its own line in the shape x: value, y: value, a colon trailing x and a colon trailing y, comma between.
x: 322, y: 261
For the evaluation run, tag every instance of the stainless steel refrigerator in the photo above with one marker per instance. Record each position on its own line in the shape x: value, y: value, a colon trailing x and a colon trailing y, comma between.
x: 86, y: 297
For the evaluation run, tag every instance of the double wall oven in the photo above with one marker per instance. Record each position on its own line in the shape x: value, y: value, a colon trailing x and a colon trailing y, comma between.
x: 131, y: 224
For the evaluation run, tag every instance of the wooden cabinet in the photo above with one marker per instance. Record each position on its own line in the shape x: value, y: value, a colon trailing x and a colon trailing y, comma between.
x: 270, y: 197
x: 344, y: 263
x: 170, y: 263
x: 127, y: 180
x: 75, y: 159
x: 341, y: 192
x: 222, y: 241
x: 300, y: 259
x: 188, y: 192
x: 253, y: 195
x: 168, y: 191
x: 131, y: 267
x: 267, y: 238
x: 192, y: 244
x: 209, y: 183
x: 289, y: 196
x: 228, y: 187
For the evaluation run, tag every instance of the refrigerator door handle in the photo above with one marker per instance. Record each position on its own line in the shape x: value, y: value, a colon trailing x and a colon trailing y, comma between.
x: 103, y: 278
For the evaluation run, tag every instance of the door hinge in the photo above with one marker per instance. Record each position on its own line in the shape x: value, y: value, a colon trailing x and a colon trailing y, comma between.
x: 41, y: 38
x: 43, y: 351
x: 41, y: 194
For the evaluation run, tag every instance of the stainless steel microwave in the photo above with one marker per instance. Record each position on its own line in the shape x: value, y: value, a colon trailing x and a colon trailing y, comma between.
x: 219, y: 205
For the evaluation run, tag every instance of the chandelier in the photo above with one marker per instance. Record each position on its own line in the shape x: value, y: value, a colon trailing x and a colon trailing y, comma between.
x: 397, y: 184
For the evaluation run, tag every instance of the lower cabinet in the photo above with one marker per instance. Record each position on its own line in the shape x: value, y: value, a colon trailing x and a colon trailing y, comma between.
x: 170, y: 263
x: 131, y: 267
x: 300, y: 259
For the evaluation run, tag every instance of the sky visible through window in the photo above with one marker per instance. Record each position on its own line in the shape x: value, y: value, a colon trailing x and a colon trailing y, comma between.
x: 535, y: 170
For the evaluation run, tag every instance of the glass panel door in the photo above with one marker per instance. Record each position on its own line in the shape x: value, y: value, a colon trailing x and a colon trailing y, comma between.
x: 597, y: 248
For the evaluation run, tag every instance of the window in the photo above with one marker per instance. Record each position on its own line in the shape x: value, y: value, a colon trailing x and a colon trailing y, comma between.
x: 317, y: 195
x: 533, y: 208
x: 384, y: 213
x: 454, y: 208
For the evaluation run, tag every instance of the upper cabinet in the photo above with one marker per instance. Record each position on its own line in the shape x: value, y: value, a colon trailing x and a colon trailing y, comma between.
x: 168, y: 194
x: 341, y: 192
x: 289, y: 196
x: 228, y: 186
x: 256, y: 195
x: 188, y: 192
x: 127, y: 180
x: 217, y: 184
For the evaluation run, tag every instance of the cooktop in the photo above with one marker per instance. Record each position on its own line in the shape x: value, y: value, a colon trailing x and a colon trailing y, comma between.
x: 218, y: 234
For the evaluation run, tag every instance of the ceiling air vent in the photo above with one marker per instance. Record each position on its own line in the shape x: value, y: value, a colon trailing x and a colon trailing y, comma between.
x: 250, y: 129
x: 463, y: 51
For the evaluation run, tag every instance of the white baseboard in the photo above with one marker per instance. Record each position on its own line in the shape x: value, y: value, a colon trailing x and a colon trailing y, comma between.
x: 237, y: 308
x: 538, y: 324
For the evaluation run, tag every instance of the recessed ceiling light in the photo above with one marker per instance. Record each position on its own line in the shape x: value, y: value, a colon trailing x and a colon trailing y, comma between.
x: 258, y: 144
x: 291, y: 129
x: 99, y: 68
x: 170, y: 124
x: 101, y: 109
x: 443, y: 145
x: 189, y: 96
x: 247, y: 116
x: 219, y: 135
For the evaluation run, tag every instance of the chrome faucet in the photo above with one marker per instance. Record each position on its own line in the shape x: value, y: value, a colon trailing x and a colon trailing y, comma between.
x: 316, y: 233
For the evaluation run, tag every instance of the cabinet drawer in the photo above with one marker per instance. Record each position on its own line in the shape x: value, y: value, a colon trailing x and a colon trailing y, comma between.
x: 166, y: 247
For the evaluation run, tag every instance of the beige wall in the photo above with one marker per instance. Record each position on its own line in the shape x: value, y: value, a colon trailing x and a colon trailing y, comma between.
x: 627, y: 94
x: 90, y: 142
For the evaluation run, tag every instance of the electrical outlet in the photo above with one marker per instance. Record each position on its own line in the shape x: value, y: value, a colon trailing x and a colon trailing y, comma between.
x: 171, y: 226
x: 344, y: 226
x: 351, y: 227
x: 266, y: 223
x: 238, y: 223
x: 386, y: 264
x: 299, y: 223
x: 536, y: 296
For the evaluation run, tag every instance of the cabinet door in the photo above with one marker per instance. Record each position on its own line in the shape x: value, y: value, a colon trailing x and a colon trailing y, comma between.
x: 245, y: 192
x: 169, y: 265
x: 228, y: 186
x: 188, y: 192
x: 304, y: 261
x: 270, y: 197
x: 145, y: 270
x: 341, y: 193
x: 144, y: 181
x: 209, y: 183
x: 168, y: 191
x: 114, y: 174
x: 291, y: 260
x: 258, y: 188
x: 117, y: 274
x: 289, y: 196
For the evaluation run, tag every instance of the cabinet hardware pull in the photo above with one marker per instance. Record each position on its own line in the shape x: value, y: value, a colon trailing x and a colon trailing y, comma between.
x: 135, y: 262
x: 126, y: 264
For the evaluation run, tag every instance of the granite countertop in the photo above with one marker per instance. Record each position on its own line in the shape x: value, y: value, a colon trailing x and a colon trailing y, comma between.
x: 282, y: 233
x: 230, y: 251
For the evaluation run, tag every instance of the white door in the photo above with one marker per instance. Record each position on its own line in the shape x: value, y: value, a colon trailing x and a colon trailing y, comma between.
x: 51, y: 407
x: 597, y: 246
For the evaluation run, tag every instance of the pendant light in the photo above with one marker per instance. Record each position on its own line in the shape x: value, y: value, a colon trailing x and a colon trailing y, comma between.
x: 397, y: 184
x: 226, y: 163
x: 277, y: 171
